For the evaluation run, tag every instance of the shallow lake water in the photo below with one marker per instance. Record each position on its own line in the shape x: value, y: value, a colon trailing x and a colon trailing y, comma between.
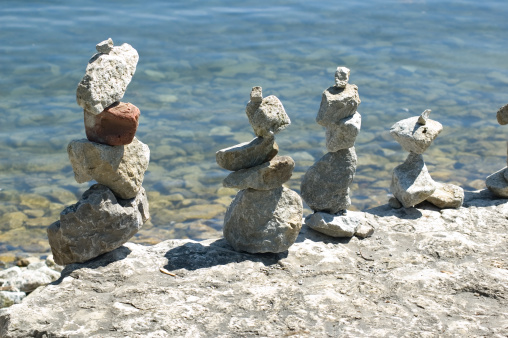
x: 198, y: 62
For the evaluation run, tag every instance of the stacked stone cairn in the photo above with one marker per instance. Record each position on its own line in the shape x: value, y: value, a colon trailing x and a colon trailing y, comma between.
x: 264, y: 216
x: 498, y: 181
x: 411, y: 181
x: 326, y: 185
x: 111, y: 212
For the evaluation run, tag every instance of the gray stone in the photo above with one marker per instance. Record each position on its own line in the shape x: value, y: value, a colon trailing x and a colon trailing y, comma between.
x: 256, y: 97
x: 411, y: 182
x: 425, y: 273
x: 341, y: 77
x: 497, y: 183
x: 105, y: 46
x: 364, y: 230
x: 260, y: 221
x: 343, y: 135
x: 325, y: 186
x: 266, y: 176
x: 413, y: 136
x: 269, y: 118
x: 337, y: 104
x: 96, y: 224
x: 121, y: 168
x: 502, y: 115
x: 335, y: 226
x: 107, y: 77
x: 447, y: 195
x: 394, y: 203
x: 9, y: 298
x: 248, y: 154
x: 422, y: 119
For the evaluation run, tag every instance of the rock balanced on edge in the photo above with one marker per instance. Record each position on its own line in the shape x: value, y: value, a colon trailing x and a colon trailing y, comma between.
x: 264, y: 216
x: 411, y: 181
x: 325, y: 185
x: 498, y: 181
x: 112, y: 211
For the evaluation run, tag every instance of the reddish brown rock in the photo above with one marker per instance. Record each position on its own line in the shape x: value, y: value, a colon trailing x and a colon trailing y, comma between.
x: 116, y: 125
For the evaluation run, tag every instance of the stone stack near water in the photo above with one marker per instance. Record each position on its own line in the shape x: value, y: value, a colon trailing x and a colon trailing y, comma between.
x: 112, y: 211
x: 325, y: 185
x: 411, y: 181
x: 498, y: 181
x: 264, y: 216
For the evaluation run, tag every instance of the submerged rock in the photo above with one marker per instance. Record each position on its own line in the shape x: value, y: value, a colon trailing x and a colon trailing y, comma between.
x: 247, y: 155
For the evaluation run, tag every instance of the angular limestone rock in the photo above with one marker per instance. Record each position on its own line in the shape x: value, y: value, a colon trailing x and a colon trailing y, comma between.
x: 411, y: 182
x: 106, y: 78
x: 121, y: 168
x: 502, y: 115
x: 343, y: 135
x: 105, y: 46
x: 263, y: 220
x: 325, y: 186
x: 96, y: 224
x: 497, y: 183
x: 269, y: 118
x: 115, y: 126
x: 266, y: 176
x: 341, y: 77
x: 413, y: 136
x: 337, y: 104
x: 335, y: 226
x: 248, y: 154
x: 447, y: 196
x: 422, y: 119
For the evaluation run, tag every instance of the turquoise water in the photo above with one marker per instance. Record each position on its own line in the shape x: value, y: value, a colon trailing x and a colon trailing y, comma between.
x: 198, y: 62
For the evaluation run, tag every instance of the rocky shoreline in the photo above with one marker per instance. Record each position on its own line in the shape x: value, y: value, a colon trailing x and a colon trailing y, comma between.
x: 424, y: 272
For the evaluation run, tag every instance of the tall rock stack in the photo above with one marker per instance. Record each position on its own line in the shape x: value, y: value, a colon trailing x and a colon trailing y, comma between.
x: 411, y: 181
x: 112, y: 211
x: 264, y: 216
x: 325, y: 185
x: 498, y: 181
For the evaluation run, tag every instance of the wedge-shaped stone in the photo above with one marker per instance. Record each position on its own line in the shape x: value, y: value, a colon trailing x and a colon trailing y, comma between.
x: 447, y: 196
x: 325, y: 186
x: 263, y: 220
x: 337, y: 104
x: 96, y: 224
x: 413, y: 136
x: 497, y: 183
x: 107, y: 77
x: 248, y: 154
x: 343, y: 135
x: 411, y: 182
x: 121, y: 168
x: 269, y: 118
x: 335, y: 226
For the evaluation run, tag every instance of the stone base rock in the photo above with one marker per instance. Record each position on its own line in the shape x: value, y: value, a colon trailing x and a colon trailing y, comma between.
x: 96, y: 224
x: 121, y: 168
x: 337, y: 104
x: 260, y: 221
x: 343, y: 135
x: 497, y: 183
x: 447, y: 196
x: 247, y: 155
x: 335, y: 226
x: 411, y: 181
x: 325, y: 185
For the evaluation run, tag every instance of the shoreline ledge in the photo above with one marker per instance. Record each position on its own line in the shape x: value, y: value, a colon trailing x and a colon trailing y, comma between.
x: 424, y: 272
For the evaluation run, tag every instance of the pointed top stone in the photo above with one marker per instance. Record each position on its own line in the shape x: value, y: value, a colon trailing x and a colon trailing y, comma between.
x: 341, y: 77
x: 424, y: 116
x: 105, y: 46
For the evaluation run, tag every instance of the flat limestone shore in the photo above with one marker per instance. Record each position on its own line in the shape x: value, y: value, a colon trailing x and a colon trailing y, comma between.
x: 424, y: 272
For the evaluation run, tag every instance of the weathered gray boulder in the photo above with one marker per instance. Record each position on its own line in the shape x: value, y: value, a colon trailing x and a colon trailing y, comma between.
x: 343, y: 135
x: 413, y: 136
x: 411, y: 181
x: 334, y: 225
x: 107, y: 76
x: 96, y: 224
x: 260, y: 221
x: 497, y: 183
x: 269, y: 118
x: 447, y: 195
x: 266, y: 176
x: 337, y: 103
x: 325, y: 185
x: 341, y: 77
x: 502, y: 115
x: 248, y: 154
x: 425, y: 273
x: 121, y: 168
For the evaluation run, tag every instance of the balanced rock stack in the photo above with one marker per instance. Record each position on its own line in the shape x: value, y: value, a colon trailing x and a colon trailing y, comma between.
x: 411, y: 181
x: 112, y: 211
x: 264, y: 216
x: 325, y: 185
x: 498, y: 181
